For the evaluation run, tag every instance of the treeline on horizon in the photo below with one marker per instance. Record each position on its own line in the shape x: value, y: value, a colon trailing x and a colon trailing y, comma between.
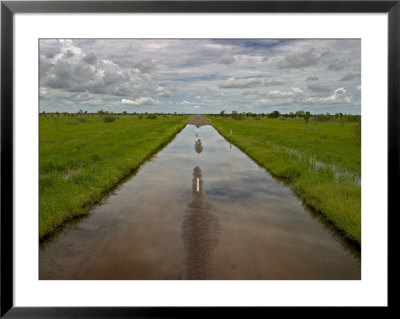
x: 297, y: 115
x: 304, y: 115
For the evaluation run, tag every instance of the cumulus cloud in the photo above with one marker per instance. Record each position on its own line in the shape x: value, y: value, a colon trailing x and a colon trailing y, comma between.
x: 141, y: 101
x: 226, y: 59
x: 339, y: 96
x: 296, y: 96
x: 75, y: 74
x: 93, y: 74
x: 297, y: 90
x: 233, y: 83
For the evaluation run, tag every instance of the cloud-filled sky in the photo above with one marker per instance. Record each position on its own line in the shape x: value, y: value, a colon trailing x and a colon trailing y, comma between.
x: 200, y: 75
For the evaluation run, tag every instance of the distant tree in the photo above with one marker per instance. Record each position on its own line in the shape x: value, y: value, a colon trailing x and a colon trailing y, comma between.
x: 222, y: 113
x: 235, y: 115
x: 275, y: 114
x: 352, y: 118
x: 124, y: 112
x: 300, y: 113
x: 101, y: 112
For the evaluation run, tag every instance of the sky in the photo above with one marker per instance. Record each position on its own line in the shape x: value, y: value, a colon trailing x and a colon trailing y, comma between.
x: 200, y: 75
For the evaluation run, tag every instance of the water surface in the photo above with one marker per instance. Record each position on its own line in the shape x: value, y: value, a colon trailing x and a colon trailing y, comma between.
x: 200, y: 209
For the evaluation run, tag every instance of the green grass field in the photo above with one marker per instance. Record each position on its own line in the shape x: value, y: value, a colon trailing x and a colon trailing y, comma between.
x: 320, y: 160
x: 82, y: 158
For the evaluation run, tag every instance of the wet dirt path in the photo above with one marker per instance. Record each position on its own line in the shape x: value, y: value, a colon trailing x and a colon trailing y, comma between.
x: 200, y: 209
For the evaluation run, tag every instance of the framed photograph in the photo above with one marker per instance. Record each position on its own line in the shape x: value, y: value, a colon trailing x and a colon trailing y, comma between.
x: 165, y: 157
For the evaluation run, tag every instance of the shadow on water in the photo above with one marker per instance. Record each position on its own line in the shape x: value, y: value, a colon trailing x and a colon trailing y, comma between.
x: 200, y: 233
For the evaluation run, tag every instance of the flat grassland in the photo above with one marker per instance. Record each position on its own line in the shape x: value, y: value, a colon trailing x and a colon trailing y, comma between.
x: 321, y: 161
x: 82, y: 158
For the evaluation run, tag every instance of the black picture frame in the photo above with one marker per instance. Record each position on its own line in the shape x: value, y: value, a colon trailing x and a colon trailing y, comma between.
x: 9, y: 8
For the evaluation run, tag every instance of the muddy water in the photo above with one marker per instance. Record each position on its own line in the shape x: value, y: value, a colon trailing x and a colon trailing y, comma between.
x: 200, y: 209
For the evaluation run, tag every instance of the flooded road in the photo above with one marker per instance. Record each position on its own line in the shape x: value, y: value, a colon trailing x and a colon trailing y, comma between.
x: 200, y: 209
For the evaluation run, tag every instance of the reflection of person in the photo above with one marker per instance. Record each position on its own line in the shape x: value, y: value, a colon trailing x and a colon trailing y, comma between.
x: 198, y: 147
x: 199, y: 232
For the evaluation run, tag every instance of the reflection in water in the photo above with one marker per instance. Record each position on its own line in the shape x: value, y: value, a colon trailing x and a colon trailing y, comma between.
x: 243, y: 224
x: 198, y: 147
x: 200, y: 233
